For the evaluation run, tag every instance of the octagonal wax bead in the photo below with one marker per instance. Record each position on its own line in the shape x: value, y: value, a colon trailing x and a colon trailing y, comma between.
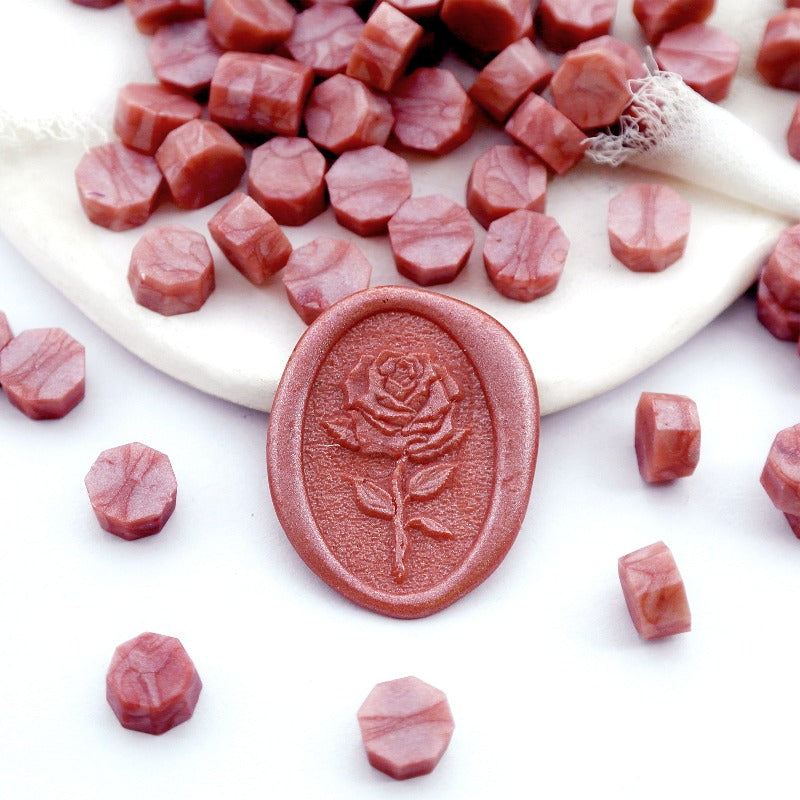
x: 42, y: 372
x: 184, y: 55
x: 488, y: 25
x: 654, y: 592
x: 781, y: 474
x: 132, y: 489
x: 782, y: 270
x: 648, y: 226
x: 171, y: 270
x: 667, y: 439
x: 250, y: 238
x: 250, y: 25
x: 150, y: 15
x: 564, y: 24
x: 778, y: 59
x: 656, y: 17
x: 201, y: 162
x: 344, y: 114
x: 152, y: 684
x: 406, y: 726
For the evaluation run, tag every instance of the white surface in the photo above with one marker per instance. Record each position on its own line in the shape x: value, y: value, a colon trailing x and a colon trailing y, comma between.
x: 553, y: 693
x: 601, y: 325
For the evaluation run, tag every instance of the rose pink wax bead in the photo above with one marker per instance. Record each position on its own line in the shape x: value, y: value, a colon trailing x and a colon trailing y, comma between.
x: 418, y: 9
x: 149, y: 15
x: 432, y: 112
x: 667, y: 439
x: 507, y: 78
x: 118, y: 187
x: 43, y: 373
x: 704, y: 56
x: 152, y: 684
x: 505, y: 178
x: 147, y: 112
x: 781, y: 474
x: 171, y: 270
x: 654, y: 592
x: 287, y: 179
x: 488, y: 25
x: 431, y: 239
x: 132, y: 489
x: 545, y: 131
x: 367, y: 187
x: 384, y: 48
x: 779, y: 55
x: 250, y: 25
x: 564, y: 24
x: 406, y: 725
x: 656, y: 17
x: 323, y: 38
x: 201, y: 162
x: 591, y: 87
x: 631, y: 57
x: 321, y: 273
x: 648, y: 226
x: 782, y: 270
x: 524, y: 254
x: 793, y: 134
x: 344, y: 114
x: 259, y: 93
x: 250, y: 238
x: 5, y: 331
x: 782, y: 323
x: 184, y: 55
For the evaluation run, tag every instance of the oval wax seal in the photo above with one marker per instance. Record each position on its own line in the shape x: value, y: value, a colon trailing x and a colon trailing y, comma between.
x: 401, y: 448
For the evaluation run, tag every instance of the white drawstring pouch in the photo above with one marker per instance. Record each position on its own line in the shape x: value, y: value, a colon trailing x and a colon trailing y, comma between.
x: 62, y: 65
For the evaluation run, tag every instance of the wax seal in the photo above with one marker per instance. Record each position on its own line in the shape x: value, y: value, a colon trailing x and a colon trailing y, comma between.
x: 401, y: 448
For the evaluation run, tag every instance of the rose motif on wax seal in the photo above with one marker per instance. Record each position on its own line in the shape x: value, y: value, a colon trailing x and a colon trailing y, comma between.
x: 400, y: 406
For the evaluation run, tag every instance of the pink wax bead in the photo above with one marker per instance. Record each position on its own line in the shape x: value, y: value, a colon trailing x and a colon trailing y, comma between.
x: 591, y: 87
x: 171, y: 270
x: 631, y: 57
x: 250, y: 238
x: 782, y: 270
x: 781, y: 474
x: 704, y: 56
x: 648, y: 226
x: 657, y: 17
x: 256, y: 26
x: 152, y: 684
x: 118, y: 187
x: 506, y: 79
x: 432, y: 112
x: 344, y: 114
x: 782, y: 323
x: 793, y: 133
x: 564, y: 24
x: 184, y: 55
x: 667, y: 439
x: 5, y: 331
x: 149, y: 15
x: 132, y: 489
x: 321, y: 273
x: 323, y: 38
x: 42, y: 372
x: 287, y: 179
x: 421, y: 10
x: 488, y: 25
x: 505, y: 178
x: 406, y: 725
x: 259, y: 93
x: 654, y: 592
x: 201, y: 162
x: 547, y: 133
x: 779, y: 55
x: 367, y: 187
x: 431, y: 239
x: 524, y: 254
x: 147, y: 112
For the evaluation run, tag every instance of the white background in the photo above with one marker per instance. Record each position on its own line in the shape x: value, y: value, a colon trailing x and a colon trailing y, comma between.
x: 553, y: 693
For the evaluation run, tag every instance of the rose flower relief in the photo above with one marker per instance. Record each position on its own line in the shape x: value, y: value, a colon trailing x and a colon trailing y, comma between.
x: 401, y: 407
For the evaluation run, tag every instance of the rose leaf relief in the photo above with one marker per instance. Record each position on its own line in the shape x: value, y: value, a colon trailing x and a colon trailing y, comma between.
x: 400, y: 406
